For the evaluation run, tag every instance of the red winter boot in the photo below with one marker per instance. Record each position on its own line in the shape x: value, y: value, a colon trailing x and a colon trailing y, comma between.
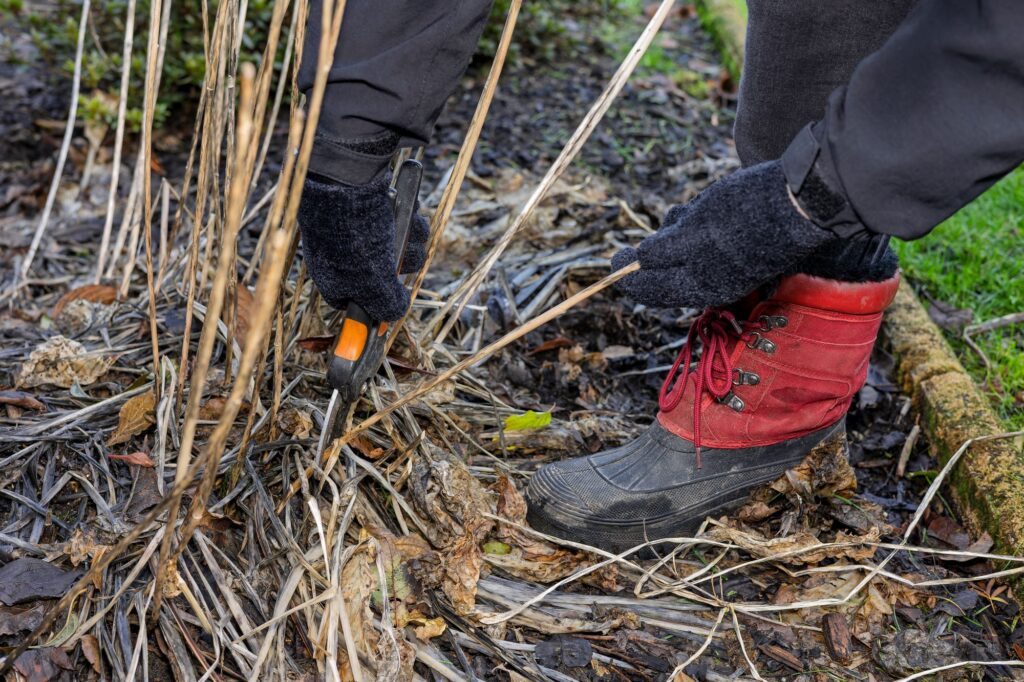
x: 766, y: 390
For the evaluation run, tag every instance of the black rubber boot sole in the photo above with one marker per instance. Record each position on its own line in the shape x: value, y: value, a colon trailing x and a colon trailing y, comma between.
x: 651, y: 488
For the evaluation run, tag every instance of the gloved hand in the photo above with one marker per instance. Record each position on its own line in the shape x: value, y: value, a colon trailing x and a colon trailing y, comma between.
x: 735, y: 236
x: 348, y: 242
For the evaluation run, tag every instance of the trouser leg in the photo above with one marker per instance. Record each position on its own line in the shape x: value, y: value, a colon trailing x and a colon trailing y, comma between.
x: 797, y: 53
x: 396, y: 63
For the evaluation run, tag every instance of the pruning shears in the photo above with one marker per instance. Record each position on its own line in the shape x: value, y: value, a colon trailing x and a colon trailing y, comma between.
x: 358, y: 349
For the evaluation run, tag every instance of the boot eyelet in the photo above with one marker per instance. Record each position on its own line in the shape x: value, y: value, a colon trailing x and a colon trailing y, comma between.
x: 732, y: 401
x: 745, y: 378
x: 758, y: 342
x: 770, y: 322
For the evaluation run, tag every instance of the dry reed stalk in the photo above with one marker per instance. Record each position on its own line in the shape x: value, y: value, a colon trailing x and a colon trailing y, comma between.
x: 458, y: 300
x: 149, y: 107
x: 156, y: 50
x: 227, y: 257
x: 207, y: 340
x: 282, y: 82
x: 206, y: 149
x: 267, y: 289
x: 677, y: 673
x: 122, y: 106
x: 65, y: 146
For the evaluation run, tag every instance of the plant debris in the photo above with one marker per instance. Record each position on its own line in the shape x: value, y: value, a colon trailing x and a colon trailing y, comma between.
x: 402, y: 552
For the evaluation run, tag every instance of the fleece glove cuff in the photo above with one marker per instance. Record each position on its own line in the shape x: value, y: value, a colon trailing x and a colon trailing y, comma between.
x: 735, y: 236
x: 348, y: 242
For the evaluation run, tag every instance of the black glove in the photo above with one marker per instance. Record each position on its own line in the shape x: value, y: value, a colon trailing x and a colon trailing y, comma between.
x: 348, y: 242
x: 735, y: 236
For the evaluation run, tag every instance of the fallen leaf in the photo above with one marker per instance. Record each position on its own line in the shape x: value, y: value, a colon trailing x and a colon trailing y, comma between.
x: 755, y: 511
x: 212, y: 408
x: 83, y: 546
x: 911, y: 650
x: 317, y: 344
x: 366, y: 447
x: 431, y: 627
x: 401, y: 585
x: 136, y: 415
x: 823, y: 472
x: 295, y: 422
x: 982, y: 545
x: 799, y: 548
x: 94, y: 293
x: 14, y: 620
x: 145, y: 494
x: 79, y: 316
x: 446, y: 492
x: 91, y: 650
x: 21, y: 399
x: 949, y: 531
x: 496, y: 547
x: 26, y: 579
x: 358, y: 583
x: 62, y: 362
x: 960, y: 604
x: 949, y: 317
x: 786, y: 594
x: 45, y: 664
x: 462, y: 563
x: 527, y: 420
x: 561, y: 650
x: 139, y: 458
x: 552, y: 344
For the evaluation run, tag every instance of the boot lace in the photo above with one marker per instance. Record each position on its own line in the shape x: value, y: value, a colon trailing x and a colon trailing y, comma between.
x: 713, y: 374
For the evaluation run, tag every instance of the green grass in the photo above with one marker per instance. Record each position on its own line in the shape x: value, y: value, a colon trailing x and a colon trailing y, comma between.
x: 976, y: 260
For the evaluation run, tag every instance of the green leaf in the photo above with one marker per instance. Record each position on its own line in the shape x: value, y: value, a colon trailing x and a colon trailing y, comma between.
x: 527, y: 420
x: 495, y: 547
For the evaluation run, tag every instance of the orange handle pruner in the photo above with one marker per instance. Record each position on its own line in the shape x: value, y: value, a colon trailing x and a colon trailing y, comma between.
x: 358, y: 350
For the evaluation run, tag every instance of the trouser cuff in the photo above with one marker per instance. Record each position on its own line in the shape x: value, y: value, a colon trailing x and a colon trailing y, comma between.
x: 352, y: 161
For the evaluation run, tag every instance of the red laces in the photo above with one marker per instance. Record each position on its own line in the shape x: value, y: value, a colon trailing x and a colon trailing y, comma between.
x: 714, y: 370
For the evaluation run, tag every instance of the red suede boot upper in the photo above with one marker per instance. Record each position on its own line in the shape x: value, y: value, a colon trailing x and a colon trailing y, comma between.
x: 792, y: 367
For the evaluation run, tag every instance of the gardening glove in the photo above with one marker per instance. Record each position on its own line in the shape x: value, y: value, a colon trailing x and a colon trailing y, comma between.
x: 735, y: 236
x: 348, y: 242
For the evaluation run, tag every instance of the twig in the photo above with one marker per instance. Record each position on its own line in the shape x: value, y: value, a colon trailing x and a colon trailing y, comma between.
x: 674, y: 675
x: 959, y: 664
x: 65, y: 146
x: 908, y: 447
x: 743, y: 647
x: 987, y: 326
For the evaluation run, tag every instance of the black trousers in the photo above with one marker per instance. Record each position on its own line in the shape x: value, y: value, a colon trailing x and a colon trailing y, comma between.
x: 926, y: 109
x: 797, y: 54
x: 396, y: 63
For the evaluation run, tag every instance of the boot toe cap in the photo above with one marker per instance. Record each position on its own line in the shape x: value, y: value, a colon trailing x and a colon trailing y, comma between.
x: 572, y: 499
